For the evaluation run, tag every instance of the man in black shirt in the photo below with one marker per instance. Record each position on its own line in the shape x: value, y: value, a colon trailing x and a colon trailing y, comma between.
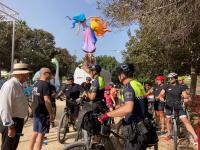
x: 173, y: 92
x: 42, y: 109
x: 72, y: 92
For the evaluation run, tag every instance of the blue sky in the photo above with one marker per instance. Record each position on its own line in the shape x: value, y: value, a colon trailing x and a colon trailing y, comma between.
x: 50, y: 15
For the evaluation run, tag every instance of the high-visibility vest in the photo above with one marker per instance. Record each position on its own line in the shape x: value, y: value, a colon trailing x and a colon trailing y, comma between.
x: 138, y: 89
x: 101, y: 82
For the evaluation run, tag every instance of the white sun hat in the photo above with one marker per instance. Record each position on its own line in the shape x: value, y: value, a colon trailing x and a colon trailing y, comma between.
x: 20, y: 68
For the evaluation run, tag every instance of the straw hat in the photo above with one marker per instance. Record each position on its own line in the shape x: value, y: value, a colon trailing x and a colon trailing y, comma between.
x: 20, y: 68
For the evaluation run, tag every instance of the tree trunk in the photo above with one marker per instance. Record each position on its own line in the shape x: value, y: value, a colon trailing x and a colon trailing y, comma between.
x: 193, y: 84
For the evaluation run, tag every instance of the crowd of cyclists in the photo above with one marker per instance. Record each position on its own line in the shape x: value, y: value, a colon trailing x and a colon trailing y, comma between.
x: 130, y: 100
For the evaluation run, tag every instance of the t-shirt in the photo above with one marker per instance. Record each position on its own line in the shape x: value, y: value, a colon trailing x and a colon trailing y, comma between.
x: 173, y: 94
x: 157, y: 89
x: 129, y: 95
x: 95, y: 87
x: 40, y: 89
x: 72, y: 91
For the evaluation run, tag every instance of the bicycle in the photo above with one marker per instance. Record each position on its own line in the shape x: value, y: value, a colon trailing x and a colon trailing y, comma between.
x: 29, y: 111
x: 65, y: 121
x: 103, y: 136
x: 179, y: 133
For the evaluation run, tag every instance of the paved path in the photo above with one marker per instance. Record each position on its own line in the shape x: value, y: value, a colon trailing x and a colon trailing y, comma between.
x: 52, y: 143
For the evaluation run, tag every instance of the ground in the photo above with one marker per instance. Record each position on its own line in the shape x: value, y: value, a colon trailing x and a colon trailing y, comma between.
x: 52, y: 143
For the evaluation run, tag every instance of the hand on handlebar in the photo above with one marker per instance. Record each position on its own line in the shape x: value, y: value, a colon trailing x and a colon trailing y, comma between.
x: 102, y: 118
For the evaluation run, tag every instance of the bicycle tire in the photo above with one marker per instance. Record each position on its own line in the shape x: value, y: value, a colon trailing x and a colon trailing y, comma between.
x: 76, y: 146
x: 62, y: 128
x: 118, y: 131
x: 175, y: 135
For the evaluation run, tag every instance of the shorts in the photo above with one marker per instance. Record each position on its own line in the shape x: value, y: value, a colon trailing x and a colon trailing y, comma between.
x: 159, y: 106
x: 181, y: 112
x: 41, y: 124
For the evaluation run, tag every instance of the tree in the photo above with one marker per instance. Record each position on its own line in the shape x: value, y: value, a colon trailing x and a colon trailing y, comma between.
x: 34, y: 47
x: 106, y: 62
x: 175, y: 24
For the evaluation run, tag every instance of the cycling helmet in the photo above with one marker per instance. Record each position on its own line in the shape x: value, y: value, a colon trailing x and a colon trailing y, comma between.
x: 95, y: 67
x: 126, y: 68
x: 160, y: 78
x: 180, y: 78
x: 70, y: 77
x: 172, y: 75
x: 88, y: 79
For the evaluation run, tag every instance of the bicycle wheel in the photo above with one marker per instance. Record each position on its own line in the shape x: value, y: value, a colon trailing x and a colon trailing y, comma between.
x: 175, y: 135
x: 63, y: 128
x: 120, y: 142
x: 76, y: 146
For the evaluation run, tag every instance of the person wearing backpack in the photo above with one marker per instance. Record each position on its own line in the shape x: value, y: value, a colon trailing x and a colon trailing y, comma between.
x: 133, y: 110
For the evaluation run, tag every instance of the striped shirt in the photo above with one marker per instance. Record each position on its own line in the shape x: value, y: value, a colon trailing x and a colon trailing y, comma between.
x: 13, y: 102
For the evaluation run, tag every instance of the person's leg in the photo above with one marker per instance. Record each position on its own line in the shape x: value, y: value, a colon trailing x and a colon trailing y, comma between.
x: 12, y: 143
x: 40, y: 138
x: 188, y: 126
x: 162, y: 116
x: 33, y: 140
x: 36, y: 125
x: 19, y: 124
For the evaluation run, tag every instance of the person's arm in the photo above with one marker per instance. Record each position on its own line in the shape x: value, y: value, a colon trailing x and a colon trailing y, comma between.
x: 91, y: 95
x: 78, y: 29
x: 149, y: 91
x: 113, y: 100
x: 7, y: 100
x: 162, y: 95
x: 185, y: 96
x: 47, y: 101
x: 123, y: 110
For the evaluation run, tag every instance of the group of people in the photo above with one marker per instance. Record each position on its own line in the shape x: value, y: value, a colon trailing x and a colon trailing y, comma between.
x: 164, y: 98
x: 133, y: 105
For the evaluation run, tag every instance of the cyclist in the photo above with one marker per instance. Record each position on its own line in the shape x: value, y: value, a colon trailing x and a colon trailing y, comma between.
x: 72, y: 92
x: 132, y: 109
x: 181, y: 80
x: 96, y: 91
x: 159, y: 105
x: 173, y: 92
x: 87, y: 84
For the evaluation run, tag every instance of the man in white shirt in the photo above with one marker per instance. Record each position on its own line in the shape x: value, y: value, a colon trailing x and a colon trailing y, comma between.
x: 13, y: 107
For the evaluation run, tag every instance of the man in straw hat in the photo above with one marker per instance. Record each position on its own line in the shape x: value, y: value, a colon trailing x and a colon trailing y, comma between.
x: 13, y: 107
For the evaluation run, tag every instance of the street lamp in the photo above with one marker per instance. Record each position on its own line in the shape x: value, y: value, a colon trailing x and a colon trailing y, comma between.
x: 6, y: 11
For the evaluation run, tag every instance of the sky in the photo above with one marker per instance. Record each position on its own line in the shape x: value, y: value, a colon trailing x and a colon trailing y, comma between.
x: 49, y: 15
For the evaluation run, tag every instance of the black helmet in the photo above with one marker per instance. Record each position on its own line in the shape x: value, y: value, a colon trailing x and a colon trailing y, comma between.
x: 95, y: 67
x: 126, y: 68
x: 70, y: 77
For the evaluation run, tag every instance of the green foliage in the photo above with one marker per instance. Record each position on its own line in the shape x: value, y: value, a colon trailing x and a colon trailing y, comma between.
x: 106, y: 62
x: 35, y: 47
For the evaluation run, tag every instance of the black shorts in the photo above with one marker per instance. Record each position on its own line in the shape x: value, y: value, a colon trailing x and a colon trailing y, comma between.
x: 159, y: 106
x: 181, y: 112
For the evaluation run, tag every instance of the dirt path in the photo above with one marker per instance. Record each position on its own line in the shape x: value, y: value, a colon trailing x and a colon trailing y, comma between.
x: 52, y: 143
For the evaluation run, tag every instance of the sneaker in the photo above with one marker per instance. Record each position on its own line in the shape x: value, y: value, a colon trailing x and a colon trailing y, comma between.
x: 195, y: 141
